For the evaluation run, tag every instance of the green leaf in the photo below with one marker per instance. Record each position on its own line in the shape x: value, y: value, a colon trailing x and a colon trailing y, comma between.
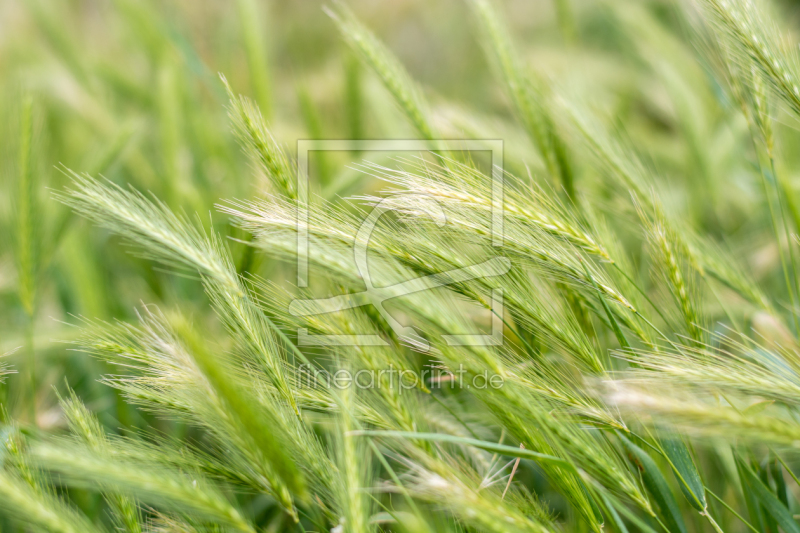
x: 685, y: 471
x: 769, y: 520
x: 612, y: 512
x: 770, y: 504
x: 657, y: 486
x: 753, y: 509
x: 776, y: 472
x: 591, y: 497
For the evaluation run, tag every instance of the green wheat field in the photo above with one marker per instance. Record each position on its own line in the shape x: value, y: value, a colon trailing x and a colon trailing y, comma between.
x: 594, y: 327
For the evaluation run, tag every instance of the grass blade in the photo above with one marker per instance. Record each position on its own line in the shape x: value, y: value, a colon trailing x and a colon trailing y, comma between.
x: 657, y: 486
x: 769, y: 503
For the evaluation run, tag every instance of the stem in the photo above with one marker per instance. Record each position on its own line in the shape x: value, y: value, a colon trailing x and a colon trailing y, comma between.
x: 729, y: 508
x: 785, y: 466
x: 713, y: 523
